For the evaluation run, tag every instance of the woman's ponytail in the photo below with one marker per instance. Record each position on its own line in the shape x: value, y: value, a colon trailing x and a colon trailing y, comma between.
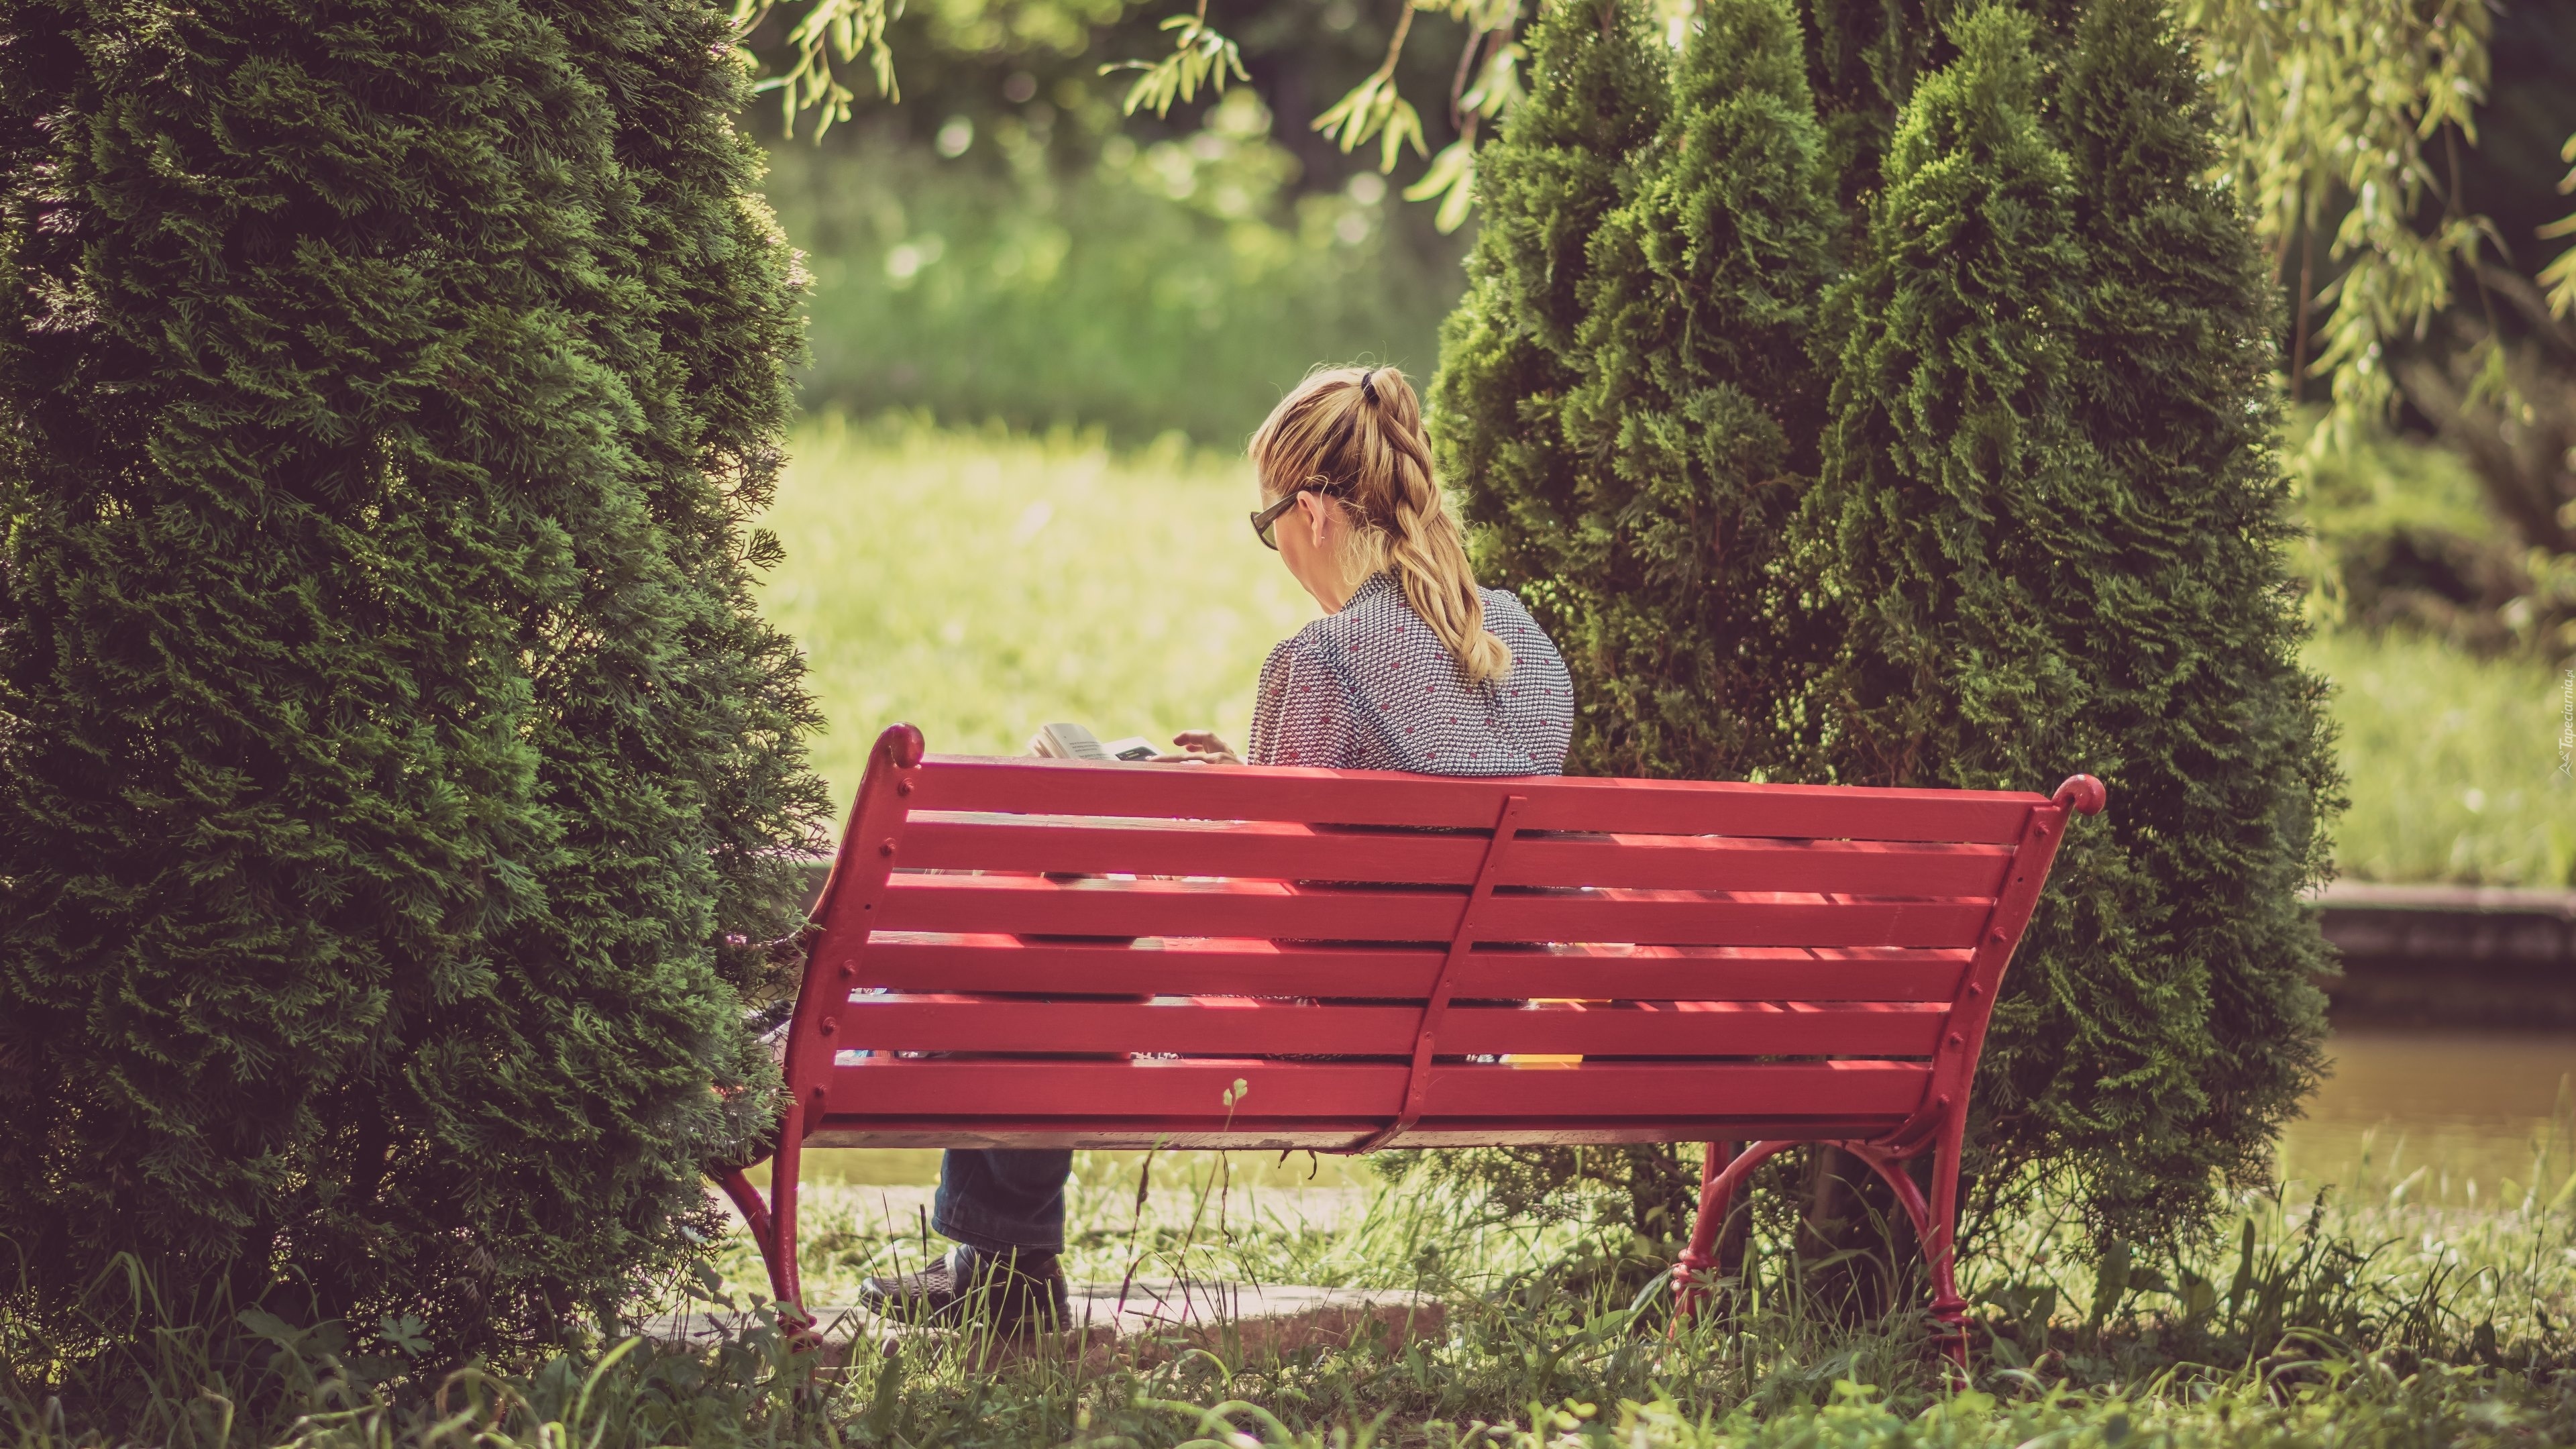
x: 1357, y: 436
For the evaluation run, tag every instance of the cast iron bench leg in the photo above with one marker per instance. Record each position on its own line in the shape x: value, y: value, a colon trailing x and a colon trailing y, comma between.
x: 1718, y: 1186
x: 773, y: 1224
x: 1935, y: 1224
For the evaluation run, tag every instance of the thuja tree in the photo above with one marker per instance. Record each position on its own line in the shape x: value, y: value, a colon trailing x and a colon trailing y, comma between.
x: 1598, y: 96
x: 2050, y: 516
x: 1693, y: 420
x: 389, y: 746
x: 2042, y: 531
x: 1634, y: 413
x: 2192, y: 989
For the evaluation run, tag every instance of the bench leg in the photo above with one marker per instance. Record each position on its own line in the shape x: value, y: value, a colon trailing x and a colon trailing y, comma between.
x: 1940, y: 1245
x: 773, y: 1224
x: 1717, y: 1189
x: 1935, y: 1227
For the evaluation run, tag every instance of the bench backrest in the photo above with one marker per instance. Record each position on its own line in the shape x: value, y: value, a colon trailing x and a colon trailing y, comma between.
x: 1048, y: 952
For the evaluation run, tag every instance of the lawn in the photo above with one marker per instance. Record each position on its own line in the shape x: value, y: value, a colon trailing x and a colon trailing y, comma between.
x: 981, y: 584
x: 2365, y: 1318
x: 2454, y: 765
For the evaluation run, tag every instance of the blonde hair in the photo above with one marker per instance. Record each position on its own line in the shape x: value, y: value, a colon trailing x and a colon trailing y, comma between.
x: 1355, y: 436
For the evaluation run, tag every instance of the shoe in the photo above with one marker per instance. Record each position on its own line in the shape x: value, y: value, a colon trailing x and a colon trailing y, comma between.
x: 1013, y: 1292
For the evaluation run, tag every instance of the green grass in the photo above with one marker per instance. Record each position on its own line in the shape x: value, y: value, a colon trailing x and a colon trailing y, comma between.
x: 1172, y: 286
x: 2367, y: 1318
x: 2453, y: 761
x: 980, y: 584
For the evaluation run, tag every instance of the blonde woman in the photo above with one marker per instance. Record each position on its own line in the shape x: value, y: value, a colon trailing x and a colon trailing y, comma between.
x: 1411, y: 668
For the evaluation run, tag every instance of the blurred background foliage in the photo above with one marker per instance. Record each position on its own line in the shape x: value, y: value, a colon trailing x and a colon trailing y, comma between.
x: 1001, y: 242
x: 1151, y: 285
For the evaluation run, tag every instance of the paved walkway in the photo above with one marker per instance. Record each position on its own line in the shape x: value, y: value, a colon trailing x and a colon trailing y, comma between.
x: 1146, y: 1321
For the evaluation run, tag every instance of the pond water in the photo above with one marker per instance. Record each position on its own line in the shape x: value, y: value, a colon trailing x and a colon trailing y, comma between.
x: 2477, y: 1112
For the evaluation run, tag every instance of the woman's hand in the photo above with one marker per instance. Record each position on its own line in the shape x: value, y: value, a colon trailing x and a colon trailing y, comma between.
x: 1199, y: 747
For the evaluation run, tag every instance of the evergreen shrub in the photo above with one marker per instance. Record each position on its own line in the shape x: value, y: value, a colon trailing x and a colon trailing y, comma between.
x: 389, y: 745
x: 1993, y: 425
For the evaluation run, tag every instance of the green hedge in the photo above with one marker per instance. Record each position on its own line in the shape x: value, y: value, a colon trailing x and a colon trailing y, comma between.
x: 391, y: 745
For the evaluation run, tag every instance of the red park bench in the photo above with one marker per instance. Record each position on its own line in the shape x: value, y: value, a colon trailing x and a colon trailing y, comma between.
x: 1043, y: 953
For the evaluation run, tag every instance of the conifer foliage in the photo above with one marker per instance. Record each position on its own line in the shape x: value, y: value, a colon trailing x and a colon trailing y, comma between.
x: 389, y: 745
x: 1597, y: 99
x: 1638, y: 321
x: 2014, y: 516
x: 1695, y: 411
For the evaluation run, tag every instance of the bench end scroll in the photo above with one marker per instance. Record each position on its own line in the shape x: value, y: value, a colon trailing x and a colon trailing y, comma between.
x: 902, y: 746
x: 2083, y: 794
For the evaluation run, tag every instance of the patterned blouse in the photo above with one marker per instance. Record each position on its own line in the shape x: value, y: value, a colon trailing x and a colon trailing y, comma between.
x: 1372, y: 688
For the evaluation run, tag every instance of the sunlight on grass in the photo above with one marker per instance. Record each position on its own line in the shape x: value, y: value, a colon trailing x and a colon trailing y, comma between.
x: 982, y: 584
x: 2453, y: 764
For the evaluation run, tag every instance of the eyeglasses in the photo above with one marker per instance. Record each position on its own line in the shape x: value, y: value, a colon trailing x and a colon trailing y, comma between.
x: 1265, y: 522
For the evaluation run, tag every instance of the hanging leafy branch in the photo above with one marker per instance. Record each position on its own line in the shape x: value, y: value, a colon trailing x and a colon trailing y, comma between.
x: 834, y: 33
x: 1374, y: 107
x: 2334, y: 100
x: 1200, y: 58
x: 1496, y: 89
x: 2560, y: 275
x: 1486, y: 85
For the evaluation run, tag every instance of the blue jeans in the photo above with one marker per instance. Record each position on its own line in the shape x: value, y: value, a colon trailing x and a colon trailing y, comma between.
x: 995, y: 1199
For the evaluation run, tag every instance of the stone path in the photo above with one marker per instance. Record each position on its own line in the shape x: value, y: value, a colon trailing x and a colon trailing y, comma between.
x: 1148, y: 1322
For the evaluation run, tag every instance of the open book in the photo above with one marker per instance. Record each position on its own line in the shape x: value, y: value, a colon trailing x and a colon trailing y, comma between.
x: 1073, y: 742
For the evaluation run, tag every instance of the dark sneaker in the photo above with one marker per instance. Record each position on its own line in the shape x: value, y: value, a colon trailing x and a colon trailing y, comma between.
x: 1009, y: 1292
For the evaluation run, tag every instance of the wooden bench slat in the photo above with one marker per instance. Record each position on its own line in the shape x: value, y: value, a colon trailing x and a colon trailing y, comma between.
x: 1368, y: 797
x: 1194, y: 1090
x: 1285, y: 850
x: 1829, y: 867
x: 1682, y: 973
x: 1322, y: 1134
x: 998, y: 963
x: 1247, y: 1026
x: 1277, y: 910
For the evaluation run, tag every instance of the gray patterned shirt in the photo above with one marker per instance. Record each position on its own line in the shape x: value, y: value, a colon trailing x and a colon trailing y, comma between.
x: 1372, y: 688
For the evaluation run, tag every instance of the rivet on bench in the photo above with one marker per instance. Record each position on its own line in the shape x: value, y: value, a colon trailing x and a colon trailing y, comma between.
x: 886, y: 849
x: 1957, y: 1040
x: 828, y: 1027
